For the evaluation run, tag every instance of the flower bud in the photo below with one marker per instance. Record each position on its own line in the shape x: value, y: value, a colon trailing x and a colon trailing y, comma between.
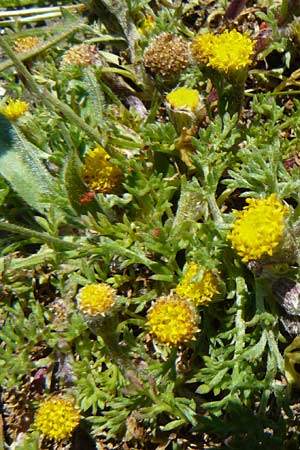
x: 184, y: 107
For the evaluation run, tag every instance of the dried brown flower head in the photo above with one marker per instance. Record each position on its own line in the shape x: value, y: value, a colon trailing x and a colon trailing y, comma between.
x: 26, y: 44
x: 166, y: 55
x: 82, y: 54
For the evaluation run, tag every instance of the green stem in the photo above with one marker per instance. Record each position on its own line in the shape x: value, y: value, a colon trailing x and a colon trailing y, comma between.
x: 107, y: 328
x: 264, y: 402
x: 214, y: 209
x: 259, y: 297
x: 237, y: 98
x: 41, y: 237
x: 241, y: 290
x: 284, y: 11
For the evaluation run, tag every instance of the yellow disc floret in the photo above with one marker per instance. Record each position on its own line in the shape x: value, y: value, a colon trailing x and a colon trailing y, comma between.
x: 258, y: 228
x: 184, y: 98
x: 14, y: 109
x: 96, y: 299
x: 199, y: 292
x: 172, y: 320
x: 57, y: 418
x: 98, y: 173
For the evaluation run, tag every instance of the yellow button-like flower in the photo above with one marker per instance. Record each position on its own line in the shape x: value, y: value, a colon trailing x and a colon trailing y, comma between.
x: 226, y: 52
x: 172, y: 320
x: 14, y: 109
x: 199, y: 292
x: 258, y: 228
x: 201, y: 47
x: 231, y: 51
x: 26, y: 44
x: 146, y: 25
x: 98, y: 173
x: 57, y: 418
x: 184, y: 98
x: 96, y: 299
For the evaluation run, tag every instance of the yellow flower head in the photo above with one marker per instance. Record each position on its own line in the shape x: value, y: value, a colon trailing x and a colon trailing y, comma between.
x: 202, y: 46
x: 199, y: 292
x: 26, y: 44
x: 98, y: 173
x: 96, y: 299
x: 147, y: 25
x: 57, y: 418
x: 14, y: 109
x: 80, y: 55
x: 184, y: 98
x: 231, y: 51
x: 258, y: 228
x: 226, y: 52
x: 172, y: 320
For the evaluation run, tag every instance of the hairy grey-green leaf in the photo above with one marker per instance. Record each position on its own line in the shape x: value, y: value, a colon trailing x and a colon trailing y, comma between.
x: 96, y: 96
x: 21, y: 167
x: 116, y: 16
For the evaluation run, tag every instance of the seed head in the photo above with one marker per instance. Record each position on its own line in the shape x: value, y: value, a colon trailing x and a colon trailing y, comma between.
x: 26, y: 44
x: 166, y: 55
x: 80, y: 55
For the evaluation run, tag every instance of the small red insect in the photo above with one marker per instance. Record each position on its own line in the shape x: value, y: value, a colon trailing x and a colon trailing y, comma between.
x: 156, y: 232
x: 88, y: 197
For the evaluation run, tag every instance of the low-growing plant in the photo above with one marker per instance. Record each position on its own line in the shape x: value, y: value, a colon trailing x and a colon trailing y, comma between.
x: 149, y: 199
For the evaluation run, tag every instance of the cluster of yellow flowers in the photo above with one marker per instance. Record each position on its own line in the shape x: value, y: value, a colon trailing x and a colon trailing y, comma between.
x: 98, y: 173
x: 14, y: 109
x: 226, y: 52
x: 57, y: 418
x: 256, y: 232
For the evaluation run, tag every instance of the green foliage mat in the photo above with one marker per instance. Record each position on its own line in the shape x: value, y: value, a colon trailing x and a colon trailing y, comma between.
x: 149, y: 234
